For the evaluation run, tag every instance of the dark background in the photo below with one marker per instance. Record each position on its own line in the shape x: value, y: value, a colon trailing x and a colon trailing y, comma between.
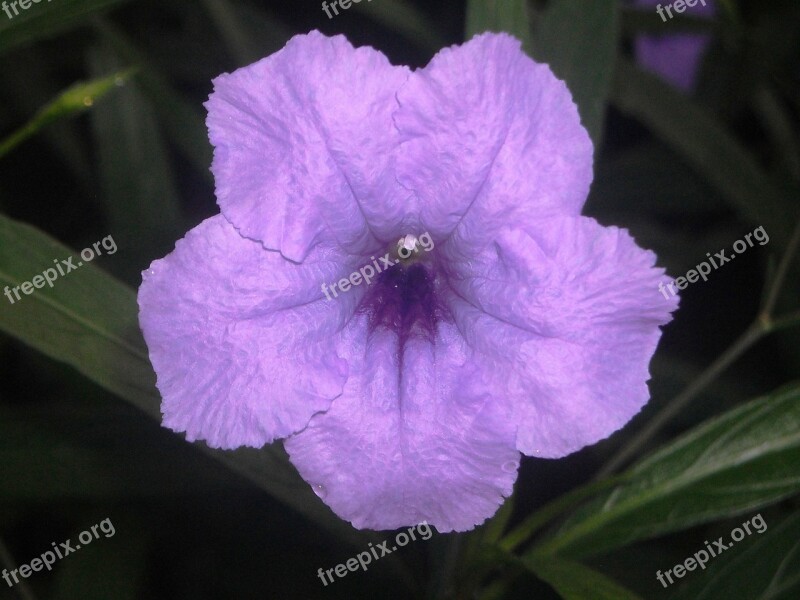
x: 72, y: 454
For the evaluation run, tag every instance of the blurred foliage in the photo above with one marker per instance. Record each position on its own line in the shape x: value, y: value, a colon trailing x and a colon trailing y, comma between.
x: 686, y: 173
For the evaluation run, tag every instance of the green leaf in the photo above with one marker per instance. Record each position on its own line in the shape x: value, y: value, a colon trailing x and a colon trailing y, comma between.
x: 108, y: 568
x: 89, y: 320
x: 491, y: 531
x: 181, y: 120
x: 510, y: 16
x: 73, y: 100
x: 579, y: 41
x: 547, y: 513
x: 742, y: 460
x: 46, y: 19
x: 707, y: 145
x: 139, y: 198
x: 574, y: 581
x: 475, y: 563
x: 29, y: 86
x: 241, y: 46
x: 765, y: 568
x: 82, y: 450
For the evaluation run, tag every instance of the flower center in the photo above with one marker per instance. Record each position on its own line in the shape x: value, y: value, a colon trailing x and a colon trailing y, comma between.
x: 403, y: 297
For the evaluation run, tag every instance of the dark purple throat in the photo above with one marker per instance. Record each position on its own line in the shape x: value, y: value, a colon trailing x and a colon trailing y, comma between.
x: 403, y: 299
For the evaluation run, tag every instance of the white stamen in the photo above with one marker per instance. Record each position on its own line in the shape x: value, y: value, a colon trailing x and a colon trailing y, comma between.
x: 408, y: 242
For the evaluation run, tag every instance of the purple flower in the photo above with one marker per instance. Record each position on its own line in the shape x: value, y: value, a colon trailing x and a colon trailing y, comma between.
x: 674, y: 57
x: 527, y: 327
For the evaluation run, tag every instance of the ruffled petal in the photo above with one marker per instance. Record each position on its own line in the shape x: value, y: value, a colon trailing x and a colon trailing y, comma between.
x: 570, y: 313
x: 303, y: 146
x: 490, y: 137
x: 240, y: 337
x: 413, y: 438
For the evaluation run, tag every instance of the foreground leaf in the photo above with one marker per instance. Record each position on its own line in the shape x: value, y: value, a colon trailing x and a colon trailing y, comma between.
x: 574, y: 581
x: 767, y: 569
x: 89, y: 320
x: 111, y: 567
x: 736, y: 463
x: 83, y: 451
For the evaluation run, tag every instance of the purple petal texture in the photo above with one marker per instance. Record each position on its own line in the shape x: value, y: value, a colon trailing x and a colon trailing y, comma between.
x: 240, y: 337
x: 506, y: 136
x: 302, y: 146
x: 526, y: 327
x: 675, y: 57
x: 432, y: 445
x: 575, y: 321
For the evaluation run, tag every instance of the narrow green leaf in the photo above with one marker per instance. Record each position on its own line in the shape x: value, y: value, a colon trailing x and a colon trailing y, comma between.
x: 510, y: 16
x: 182, y: 121
x: 707, y: 145
x: 777, y: 121
x: 47, y: 19
x: 29, y: 86
x: 736, y: 463
x: 140, y: 197
x: 82, y: 450
x: 579, y: 41
x: 73, y: 100
x: 89, y: 320
x: 110, y: 567
x: 241, y: 46
x: 574, y: 581
x: 493, y: 529
x: 765, y: 568
x: 550, y: 511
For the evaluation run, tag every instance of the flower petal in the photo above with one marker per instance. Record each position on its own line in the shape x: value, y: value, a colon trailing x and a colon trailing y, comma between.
x: 575, y: 310
x: 675, y: 57
x: 303, y: 142
x: 412, y: 438
x: 490, y: 137
x: 240, y: 337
